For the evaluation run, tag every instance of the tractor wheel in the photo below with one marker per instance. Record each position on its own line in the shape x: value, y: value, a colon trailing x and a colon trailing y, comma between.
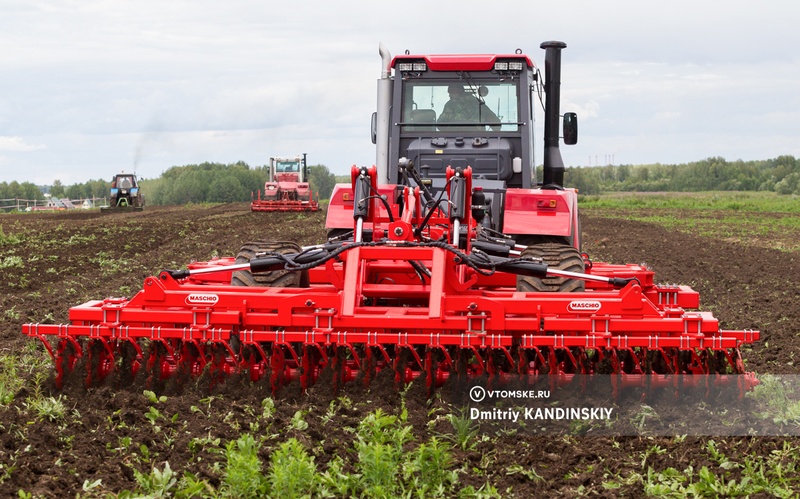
x: 274, y: 279
x: 556, y: 256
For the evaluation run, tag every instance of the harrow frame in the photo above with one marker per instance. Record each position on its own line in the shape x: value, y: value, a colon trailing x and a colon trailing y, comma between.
x: 416, y: 307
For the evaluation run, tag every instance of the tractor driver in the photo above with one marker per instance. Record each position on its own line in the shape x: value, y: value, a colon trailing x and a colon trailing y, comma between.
x: 465, y: 108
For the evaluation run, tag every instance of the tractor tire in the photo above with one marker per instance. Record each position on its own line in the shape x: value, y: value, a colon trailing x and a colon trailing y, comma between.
x: 557, y: 256
x: 274, y: 279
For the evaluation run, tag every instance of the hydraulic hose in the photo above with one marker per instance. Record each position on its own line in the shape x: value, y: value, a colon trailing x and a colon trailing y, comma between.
x: 481, y: 262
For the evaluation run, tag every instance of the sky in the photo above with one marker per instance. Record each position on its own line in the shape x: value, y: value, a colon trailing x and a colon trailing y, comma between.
x: 89, y: 88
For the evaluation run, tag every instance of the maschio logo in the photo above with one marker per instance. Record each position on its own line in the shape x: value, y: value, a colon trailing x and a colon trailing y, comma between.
x: 202, y: 299
x: 584, y: 306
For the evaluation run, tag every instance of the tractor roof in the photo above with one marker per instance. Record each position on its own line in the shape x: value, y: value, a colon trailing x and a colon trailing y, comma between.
x: 461, y: 62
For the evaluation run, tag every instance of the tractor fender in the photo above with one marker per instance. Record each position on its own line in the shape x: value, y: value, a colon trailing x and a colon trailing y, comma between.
x: 548, y: 212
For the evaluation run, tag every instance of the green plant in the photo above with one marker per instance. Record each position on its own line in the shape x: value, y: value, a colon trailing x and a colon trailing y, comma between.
x: 642, y: 416
x: 771, y: 393
x: 243, y: 477
x: 158, y: 483
x: 49, y: 408
x: 90, y: 485
x: 108, y: 264
x: 380, y: 438
x: 426, y: 470
x: 775, y: 475
x: 464, y: 430
x: 10, y: 381
x: 205, y: 443
x: 190, y: 486
x: 7, y: 470
x: 298, y: 422
x: 486, y: 491
x: 9, y: 262
x: 336, y: 482
x: 379, y: 427
x: 653, y: 450
x: 334, y: 406
x: 292, y: 471
x: 12, y: 313
x: 10, y: 239
x: 153, y: 415
x: 529, y: 473
x: 124, y: 444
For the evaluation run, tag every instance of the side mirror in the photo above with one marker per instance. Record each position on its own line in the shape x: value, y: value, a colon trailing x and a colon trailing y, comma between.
x: 374, y: 128
x: 570, y: 132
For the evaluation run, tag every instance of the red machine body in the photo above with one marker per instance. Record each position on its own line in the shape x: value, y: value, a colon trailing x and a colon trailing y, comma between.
x: 369, y: 308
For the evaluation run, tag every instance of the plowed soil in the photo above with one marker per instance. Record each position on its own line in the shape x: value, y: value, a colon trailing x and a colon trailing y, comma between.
x: 52, y: 261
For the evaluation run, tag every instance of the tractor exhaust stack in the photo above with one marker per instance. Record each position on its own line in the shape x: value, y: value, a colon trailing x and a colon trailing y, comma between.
x: 553, y: 164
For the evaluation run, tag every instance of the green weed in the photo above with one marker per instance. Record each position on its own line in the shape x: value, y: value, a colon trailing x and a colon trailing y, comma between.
x: 383, y: 463
x: 772, y: 394
x: 10, y: 239
x: 464, y: 431
x: 292, y: 471
x: 158, y: 483
x: 775, y: 475
x: 108, y: 264
x: 268, y: 408
x: 10, y: 262
x: 298, y: 422
x: 243, y: 478
x: 10, y: 381
x: 529, y: 473
x: 49, y: 408
x: 426, y: 470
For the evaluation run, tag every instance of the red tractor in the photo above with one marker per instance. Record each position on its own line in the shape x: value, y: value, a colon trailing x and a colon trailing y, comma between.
x: 287, y: 189
x: 449, y: 259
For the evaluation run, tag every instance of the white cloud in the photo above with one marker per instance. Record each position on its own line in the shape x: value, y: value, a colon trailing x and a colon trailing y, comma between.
x: 18, y: 144
x: 152, y: 84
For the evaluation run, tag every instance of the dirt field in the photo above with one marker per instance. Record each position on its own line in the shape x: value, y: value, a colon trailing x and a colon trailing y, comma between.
x: 53, y: 261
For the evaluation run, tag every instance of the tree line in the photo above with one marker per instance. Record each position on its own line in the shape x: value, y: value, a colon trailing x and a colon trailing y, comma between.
x: 781, y: 175
x: 223, y: 183
x: 196, y: 183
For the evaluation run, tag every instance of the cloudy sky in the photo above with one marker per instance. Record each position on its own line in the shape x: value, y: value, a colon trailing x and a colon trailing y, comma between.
x: 91, y: 87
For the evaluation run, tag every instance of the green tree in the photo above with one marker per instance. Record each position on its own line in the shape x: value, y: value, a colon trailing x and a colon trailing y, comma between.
x: 790, y: 184
x: 225, y: 189
x: 321, y: 180
x: 76, y: 191
x: 57, y: 189
x: 99, y: 188
x: 28, y: 190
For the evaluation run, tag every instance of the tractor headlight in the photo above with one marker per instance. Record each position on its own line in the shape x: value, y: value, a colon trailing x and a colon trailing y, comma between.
x: 412, y: 66
x: 509, y: 66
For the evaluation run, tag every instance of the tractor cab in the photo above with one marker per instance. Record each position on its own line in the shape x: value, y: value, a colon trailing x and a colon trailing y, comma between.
x: 287, y: 165
x: 124, y: 182
x: 471, y: 121
x: 468, y: 110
